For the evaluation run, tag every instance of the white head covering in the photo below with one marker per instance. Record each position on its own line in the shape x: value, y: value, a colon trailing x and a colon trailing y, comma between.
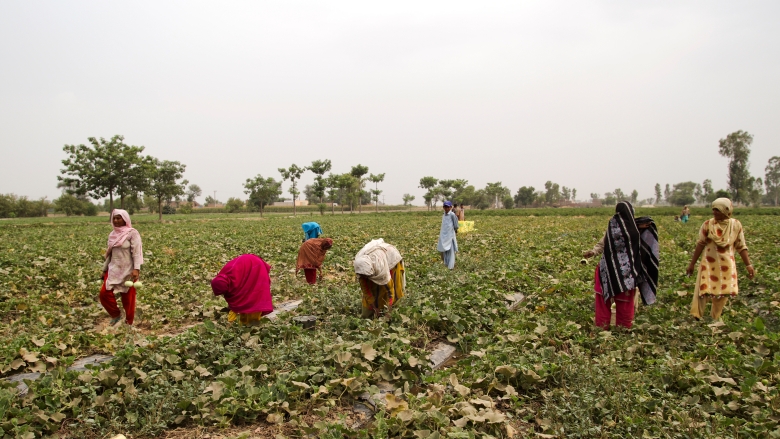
x: 375, y: 260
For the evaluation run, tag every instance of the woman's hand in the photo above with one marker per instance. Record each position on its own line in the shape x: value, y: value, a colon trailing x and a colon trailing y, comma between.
x: 751, y: 271
x: 135, y: 274
x: 588, y: 254
x: 691, y: 267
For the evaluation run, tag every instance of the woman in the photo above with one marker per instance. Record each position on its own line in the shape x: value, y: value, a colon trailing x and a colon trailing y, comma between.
x: 311, y: 255
x: 461, y: 213
x: 311, y: 230
x: 686, y: 212
x: 720, y: 237
x: 448, y: 242
x: 245, y: 284
x: 123, y: 259
x: 629, y: 260
x: 380, y: 271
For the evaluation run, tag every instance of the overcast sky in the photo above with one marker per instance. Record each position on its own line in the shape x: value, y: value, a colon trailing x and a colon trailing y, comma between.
x: 594, y: 95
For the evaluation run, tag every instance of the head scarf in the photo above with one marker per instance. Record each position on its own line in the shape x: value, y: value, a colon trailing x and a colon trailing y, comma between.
x: 246, y: 285
x: 312, y: 253
x: 722, y: 232
x: 649, y: 251
x: 375, y: 260
x: 120, y: 234
x: 620, y: 264
x: 311, y: 230
x: 448, y: 204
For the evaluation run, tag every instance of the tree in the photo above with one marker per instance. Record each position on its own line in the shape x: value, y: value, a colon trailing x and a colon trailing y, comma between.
x: 193, y: 191
x: 233, y: 205
x: 72, y: 205
x: 707, y: 193
x: 261, y: 191
x: 496, y: 192
x: 525, y: 196
x: 620, y: 195
x: 610, y: 199
x: 428, y: 183
x: 667, y: 192
x: 345, y: 184
x: 332, y: 183
x: 163, y: 185
x: 552, y: 192
x: 566, y: 193
x: 211, y: 201
x: 736, y: 147
x: 772, y: 179
x: 408, y: 200
x: 682, y: 194
x: 755, y: 191
x: 658, y: 193
x: 698, y: 193
x: 634, y: 196
x: 376, y: 179
x: 105, y: 168
x: 358, y: 172
x: 594, y: 196
x: 319, y: 168
x: 458, y: 186
x: 293, y: 173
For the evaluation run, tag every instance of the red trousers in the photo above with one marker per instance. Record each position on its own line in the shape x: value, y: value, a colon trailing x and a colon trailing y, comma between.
x: 311, y: 275
x: 624, y: 307
x: 108, y: 300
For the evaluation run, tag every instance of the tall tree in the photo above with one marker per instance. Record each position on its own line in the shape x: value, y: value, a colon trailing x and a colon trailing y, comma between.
x: 707, y: 191
x: 525, y: 196
x: 667, y: 192
x: 332, y: 183
x: 496, y: 192
x: 347, y: 183
x: 634, y: 196
x: 262, y: 191
x: 319, y: 168
x: 772, y: 179
x: 358, y: 172
x: 193, y: 192
x: 736, y: 147
x: 408, y: 200
x: 574, y: 195
x: 552, y: 192
x: 566, y: 193
x: 658, y: 193
x: 755, y: 191
x: 105, y: 168
x: 163, y: 184
x: 428, y: 183
x: 376, y: 179
x: 293, y: 173
x: 458, y: 186
x: 683, y: 194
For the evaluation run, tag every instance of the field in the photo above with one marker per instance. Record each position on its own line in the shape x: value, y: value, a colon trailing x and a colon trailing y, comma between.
x: 541, y: 370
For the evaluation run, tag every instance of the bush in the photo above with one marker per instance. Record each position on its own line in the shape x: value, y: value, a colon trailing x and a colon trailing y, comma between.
x: 12, y: 206
x: 234, y: 205
x: 168, y: 210
x: 185, y: 208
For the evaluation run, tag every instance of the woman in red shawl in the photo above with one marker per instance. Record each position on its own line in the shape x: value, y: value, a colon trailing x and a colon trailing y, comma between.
x: 245, y: 284
x: 311, y: 256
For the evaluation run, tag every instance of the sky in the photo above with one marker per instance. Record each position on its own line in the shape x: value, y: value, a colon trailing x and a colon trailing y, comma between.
x: 594, y: 95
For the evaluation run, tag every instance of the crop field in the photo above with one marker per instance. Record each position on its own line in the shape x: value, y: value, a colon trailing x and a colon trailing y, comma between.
x: 539, y: 370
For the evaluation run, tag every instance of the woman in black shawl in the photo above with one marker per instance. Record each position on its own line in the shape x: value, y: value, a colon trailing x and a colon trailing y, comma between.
x: 629, y: 260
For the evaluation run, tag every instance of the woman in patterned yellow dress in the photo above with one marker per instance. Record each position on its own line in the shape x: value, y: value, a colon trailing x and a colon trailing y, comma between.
x: 720, y: 238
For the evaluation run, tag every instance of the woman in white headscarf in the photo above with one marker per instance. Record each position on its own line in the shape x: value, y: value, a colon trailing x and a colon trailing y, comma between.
x: 720, y: 238
x: 382, y: 276
x: 123, y: 259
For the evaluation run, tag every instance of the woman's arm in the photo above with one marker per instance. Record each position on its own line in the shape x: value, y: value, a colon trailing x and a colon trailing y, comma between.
x: 748, y: 266
x: 696, y: 254
x: 136, y: 250
x: 597, y: 249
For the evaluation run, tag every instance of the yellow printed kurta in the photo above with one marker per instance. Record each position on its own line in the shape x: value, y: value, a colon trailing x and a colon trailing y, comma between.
x: 718, y: 270
x: 376, y: 298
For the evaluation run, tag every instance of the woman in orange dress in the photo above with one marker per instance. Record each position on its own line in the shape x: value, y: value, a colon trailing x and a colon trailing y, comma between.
x: 720, y: 238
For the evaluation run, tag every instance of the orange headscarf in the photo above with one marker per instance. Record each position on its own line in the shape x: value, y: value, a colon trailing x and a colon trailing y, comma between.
x: 723, y: 233
x: 312, y: 253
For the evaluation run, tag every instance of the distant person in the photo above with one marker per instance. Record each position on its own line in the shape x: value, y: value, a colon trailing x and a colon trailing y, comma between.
x: 311, y: 255
x: 629, y: 260
x: 448, y: 242
x: 245, y: 283
x: 686, y: 212
x: 382, y: 277
x: 123, y: 259
x: 461, y: 212
x: 311, y: 230
x: 720, y: 238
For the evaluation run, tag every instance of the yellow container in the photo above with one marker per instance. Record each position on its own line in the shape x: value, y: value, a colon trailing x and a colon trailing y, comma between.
x: 465, y: 226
